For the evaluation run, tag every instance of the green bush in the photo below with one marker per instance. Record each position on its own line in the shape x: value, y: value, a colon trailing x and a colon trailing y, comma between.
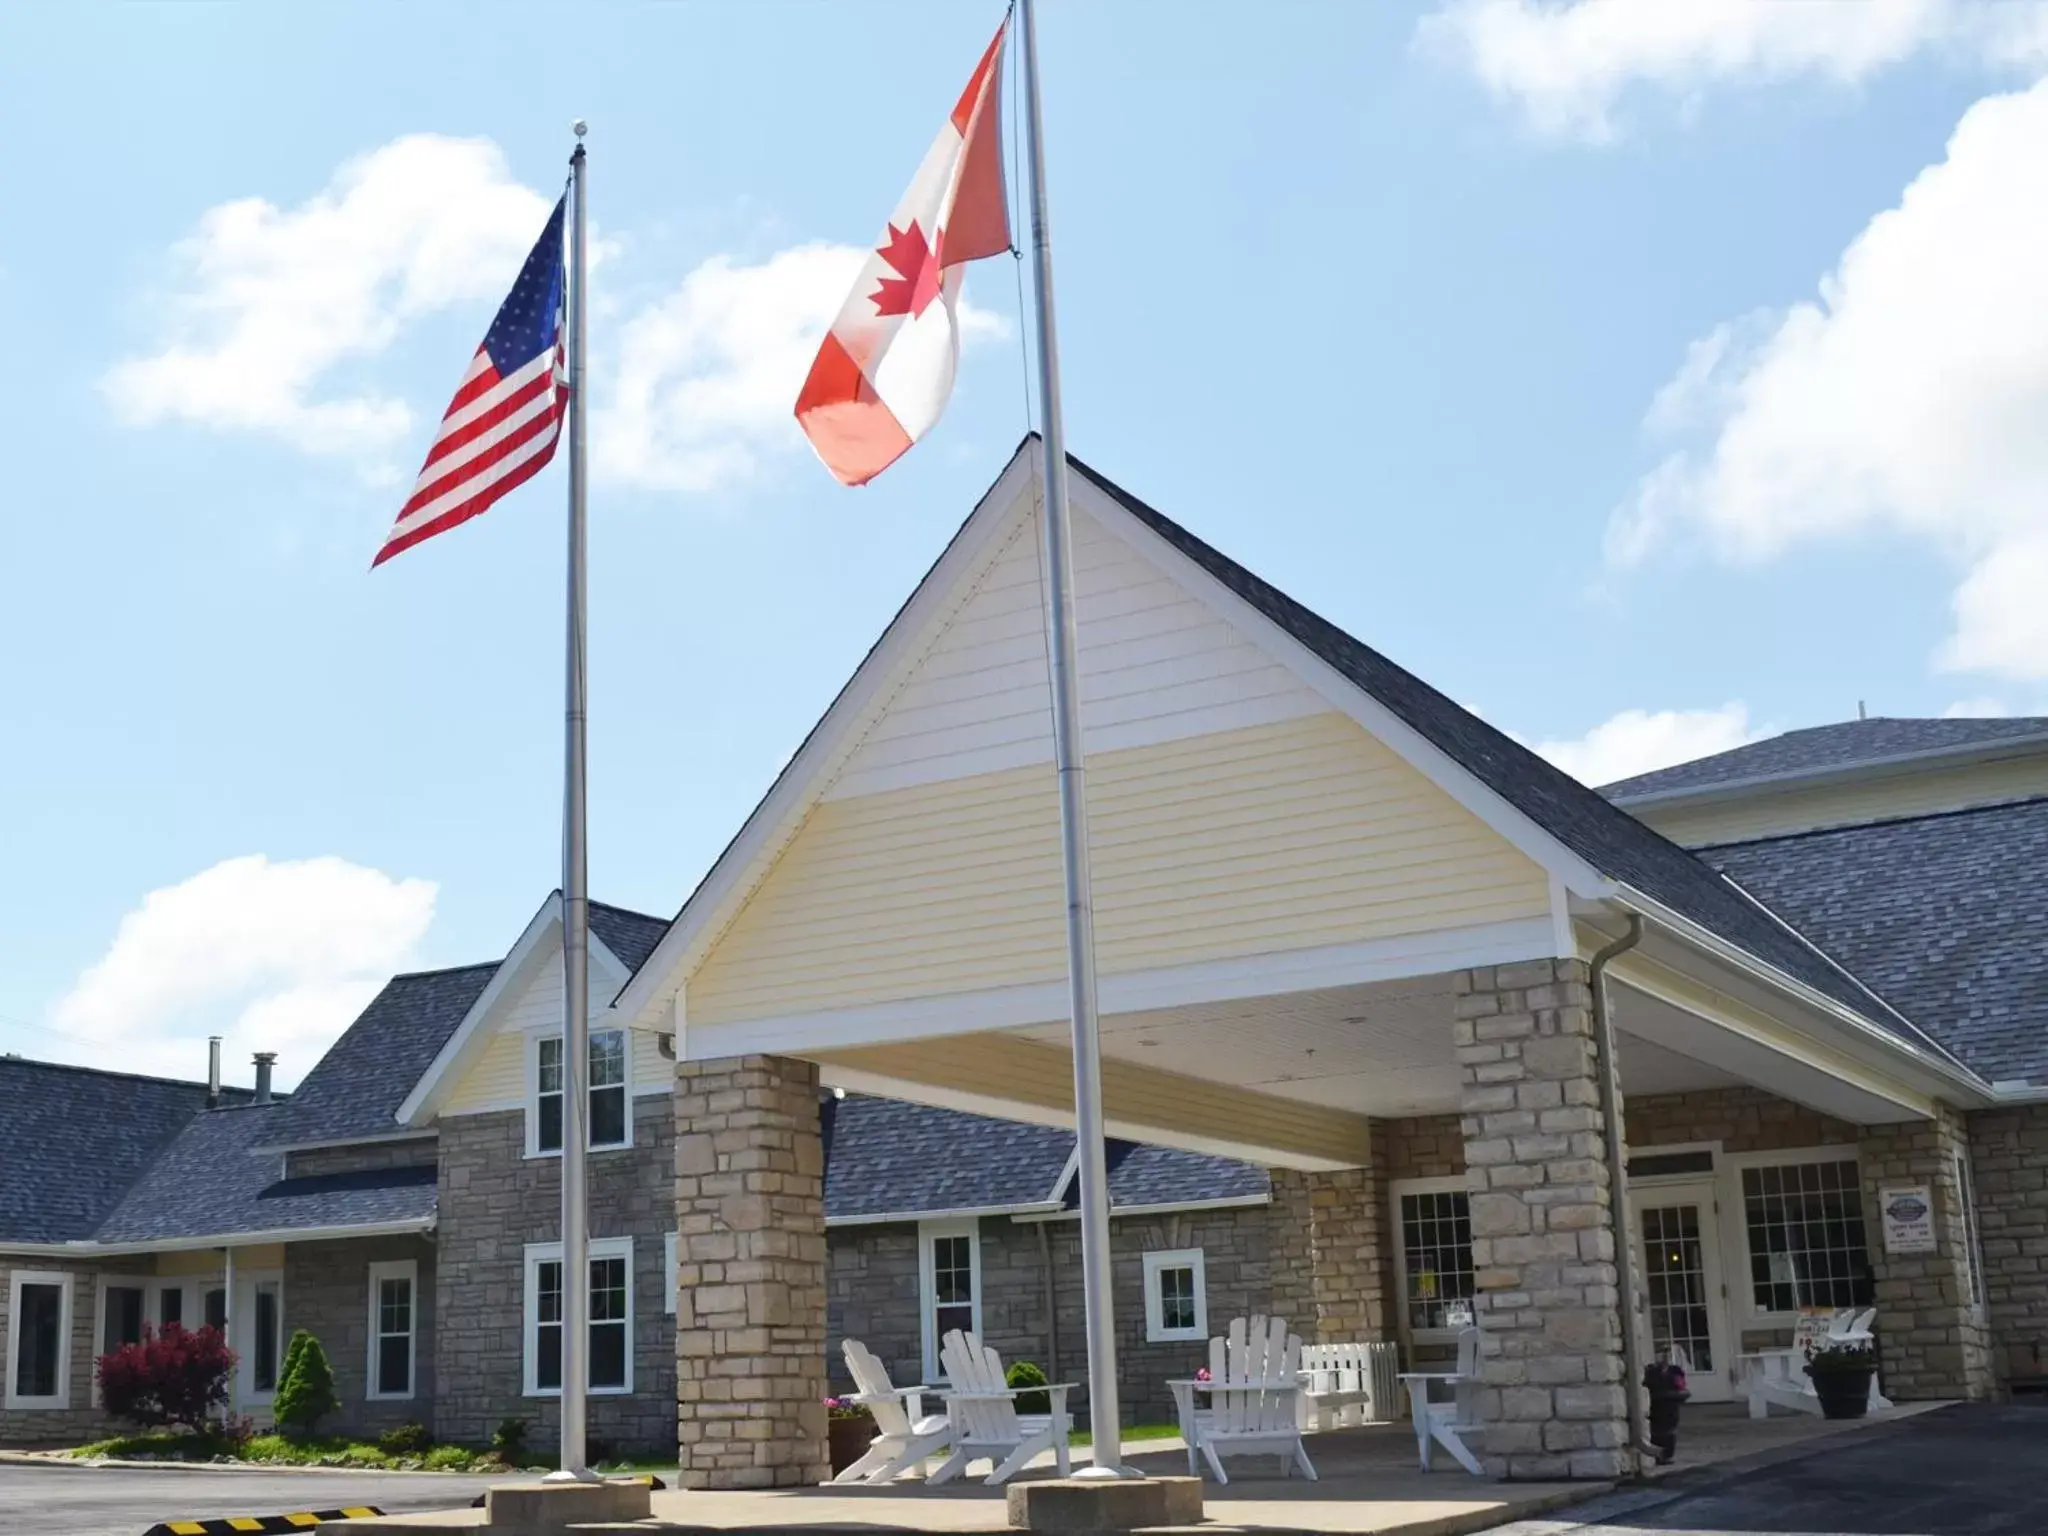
x: 449, y: 1458
x: 305, y: 1387
x: 1022, y: 1373
x: 509, y: 1439
x: 412, y: 1439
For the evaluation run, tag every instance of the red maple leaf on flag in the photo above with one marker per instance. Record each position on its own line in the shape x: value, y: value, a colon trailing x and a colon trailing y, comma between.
x: 919, y: 275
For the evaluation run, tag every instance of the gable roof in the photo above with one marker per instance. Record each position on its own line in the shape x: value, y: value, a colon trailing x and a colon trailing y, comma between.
x: 74, y: 1139
x: 890, y: 1159
x: 1943, y: 913
x: 353, y: 1092
x: 211, y: 1181
x: 629, y: 935
x: 1607, y: 838
x: 1820, y: 749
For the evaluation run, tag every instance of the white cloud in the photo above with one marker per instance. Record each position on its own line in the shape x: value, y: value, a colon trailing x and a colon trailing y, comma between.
x: 278, y: 956
x: 1567, y: 65
x: 268, y: 303
x: 708, y: 374
x: 1906, y: 399
x: 1639, y: 740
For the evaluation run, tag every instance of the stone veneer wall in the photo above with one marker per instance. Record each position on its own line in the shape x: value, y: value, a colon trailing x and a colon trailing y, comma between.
x: 1742, y: 1119
x: 2010, y: 1162
x: 750, y: 1274
x: 873, y: 1286
x: 81, y: 1421
x: 1330, y: 1252
x: 1542, y: 1241
x: 1933, y: 1342
x: 494, y: 1200
x: 1421, y: 1147
x: 327, y: 1292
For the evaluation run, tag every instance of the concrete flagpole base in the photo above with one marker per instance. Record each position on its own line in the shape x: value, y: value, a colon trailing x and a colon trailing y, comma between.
x: 1075, y: 1504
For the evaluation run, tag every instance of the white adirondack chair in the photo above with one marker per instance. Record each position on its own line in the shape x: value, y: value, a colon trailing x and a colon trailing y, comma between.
x: 1446, y: 1423
x: 983, y: 1409
x: 906, y: 1436
x: 1346, y: 1384
x: 1778, y: 1379
x: 1254, y: 1393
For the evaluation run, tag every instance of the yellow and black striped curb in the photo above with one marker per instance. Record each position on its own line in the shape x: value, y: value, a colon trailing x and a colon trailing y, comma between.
x: 240, y: 1525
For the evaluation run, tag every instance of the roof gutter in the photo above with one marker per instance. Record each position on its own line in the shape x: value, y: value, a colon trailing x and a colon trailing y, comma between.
x: 953, y: 1213
x: 1820, y: 778
x: 1617, y: 1178
x: 83, y: 1248
x: 1943, y: 1066
x: 1157, y: 1208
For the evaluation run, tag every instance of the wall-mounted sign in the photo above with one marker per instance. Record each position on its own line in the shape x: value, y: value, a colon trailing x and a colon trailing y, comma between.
x: 1908, y: 1211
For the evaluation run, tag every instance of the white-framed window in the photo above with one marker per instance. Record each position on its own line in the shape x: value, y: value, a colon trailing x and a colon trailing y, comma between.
x: 1176, y: 1296
x: 609, y: 1355
x: 122, y: 1310
x: 1973, y: 1245
x: 948, y: 1283
x: 1803, y: 1231
x: 668, y: 1272
x: 39, y: 1338
x: 394, y: 1328
x: 608, y: 1118
x: 1433, y: 1258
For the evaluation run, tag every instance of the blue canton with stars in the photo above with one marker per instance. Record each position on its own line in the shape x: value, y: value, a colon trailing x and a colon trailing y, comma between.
x: 526, y: 323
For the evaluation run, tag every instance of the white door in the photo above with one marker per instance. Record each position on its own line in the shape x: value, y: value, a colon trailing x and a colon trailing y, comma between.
x: 1679, y: 1252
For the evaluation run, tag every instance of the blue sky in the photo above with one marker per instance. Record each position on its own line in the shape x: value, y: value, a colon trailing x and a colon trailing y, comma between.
x: 1593, y: 360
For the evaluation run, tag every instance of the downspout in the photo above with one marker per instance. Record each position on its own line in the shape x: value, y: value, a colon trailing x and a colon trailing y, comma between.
x: 1052, y: 1313
x: 1617, y: 1179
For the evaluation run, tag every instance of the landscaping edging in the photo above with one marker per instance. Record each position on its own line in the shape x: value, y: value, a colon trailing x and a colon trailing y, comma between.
x: 144, y: 1464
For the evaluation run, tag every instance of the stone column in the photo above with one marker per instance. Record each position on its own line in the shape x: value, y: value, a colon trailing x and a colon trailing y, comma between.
x: 1542, y: 1242
x: 750, y: 1283
x: 1933, y: 1339
x: 1327, y: 1237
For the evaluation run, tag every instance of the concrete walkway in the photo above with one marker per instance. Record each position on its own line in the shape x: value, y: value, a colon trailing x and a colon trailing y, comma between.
x: 1368, y: 1483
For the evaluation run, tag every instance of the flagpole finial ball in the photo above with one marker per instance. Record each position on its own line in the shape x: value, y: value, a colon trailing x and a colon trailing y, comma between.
x: 579, y: 127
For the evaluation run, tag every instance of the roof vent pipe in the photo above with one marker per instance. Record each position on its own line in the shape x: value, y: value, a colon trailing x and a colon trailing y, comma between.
x: 213, y: 1071
x: 265, y: 1060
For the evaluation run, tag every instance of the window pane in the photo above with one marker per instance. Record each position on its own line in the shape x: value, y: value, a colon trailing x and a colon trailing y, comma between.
x: 123, y: 1322
x: 607, y: 1354
x: 551, y: 1065
x: 548, y: 1289
x: 548, y: 1135
x: 170, y: 1306
x: 216, y: 1308
x: 607, y: 1290
x: 40, y: 1331
x: 263, y: 1369
x: 608, y: 1117
x: 1436, y: 1243
x: 547, y: 1356
x: 1177, y: 1299
x: 394, y: 1306
x: 953, y: 1269
x: 1806, y: 1239
x: 948, y: 1319
x: 394, y: 1364
x: 608, y: 1058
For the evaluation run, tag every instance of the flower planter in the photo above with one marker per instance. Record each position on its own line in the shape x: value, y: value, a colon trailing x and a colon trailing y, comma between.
x: 1843, y: 1390
x: 849, y: 1435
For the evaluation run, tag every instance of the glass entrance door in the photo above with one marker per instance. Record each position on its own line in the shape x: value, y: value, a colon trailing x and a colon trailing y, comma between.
x: 1685, y: 1303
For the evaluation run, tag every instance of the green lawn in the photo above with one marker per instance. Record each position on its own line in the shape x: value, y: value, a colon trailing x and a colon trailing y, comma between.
x: 1131, y: 1432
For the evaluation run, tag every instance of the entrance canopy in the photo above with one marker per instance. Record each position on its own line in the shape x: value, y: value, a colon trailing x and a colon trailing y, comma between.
x: 1301, y: 852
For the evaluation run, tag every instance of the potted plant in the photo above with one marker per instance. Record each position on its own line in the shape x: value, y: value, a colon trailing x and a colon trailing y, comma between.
x: 1841, y: 1370
x: 849, y: 1429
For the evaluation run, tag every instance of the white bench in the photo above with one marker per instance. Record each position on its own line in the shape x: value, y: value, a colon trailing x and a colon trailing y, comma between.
x: 1777, y: 1377
x: 1347, y: 1383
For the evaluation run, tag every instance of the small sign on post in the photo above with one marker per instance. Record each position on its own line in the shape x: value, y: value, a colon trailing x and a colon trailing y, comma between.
x: 1908, y: 1211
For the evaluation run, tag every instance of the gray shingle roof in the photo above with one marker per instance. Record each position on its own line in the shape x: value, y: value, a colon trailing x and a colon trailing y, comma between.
x: 1944, y: 915
x: 211, y: 1180
x: 886, y: 1157
x: 73, y: 1139
x: 355, y: 1089
x: 1818, y: 748
x: 629, y: 935
x: 1606, y: 837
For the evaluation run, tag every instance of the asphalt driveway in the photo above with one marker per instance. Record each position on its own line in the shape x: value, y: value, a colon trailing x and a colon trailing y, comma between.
x: 1976, y: 1470
x: 126, y: 1501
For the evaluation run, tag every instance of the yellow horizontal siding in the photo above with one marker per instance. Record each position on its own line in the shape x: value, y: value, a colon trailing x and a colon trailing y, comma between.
x: 1037, y: 1077
x: 1274, y: 837
x: 207, y: 1261
x: 1906, y: 794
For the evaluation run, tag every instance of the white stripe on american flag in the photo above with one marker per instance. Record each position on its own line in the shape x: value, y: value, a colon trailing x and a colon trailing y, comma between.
x: 489, y: 476
x: 542, y: 404
x: 436, y: 470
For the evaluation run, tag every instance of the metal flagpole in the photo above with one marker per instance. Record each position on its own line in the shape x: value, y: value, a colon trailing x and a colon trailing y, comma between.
x: 575, y: 899
x: 1104, y: 1418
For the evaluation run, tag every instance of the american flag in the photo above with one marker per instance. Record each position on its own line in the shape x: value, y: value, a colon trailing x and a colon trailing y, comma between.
x: 506, y: 417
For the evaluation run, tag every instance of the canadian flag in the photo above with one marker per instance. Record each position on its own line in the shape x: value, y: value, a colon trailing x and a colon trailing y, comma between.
x: 886, y: 368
